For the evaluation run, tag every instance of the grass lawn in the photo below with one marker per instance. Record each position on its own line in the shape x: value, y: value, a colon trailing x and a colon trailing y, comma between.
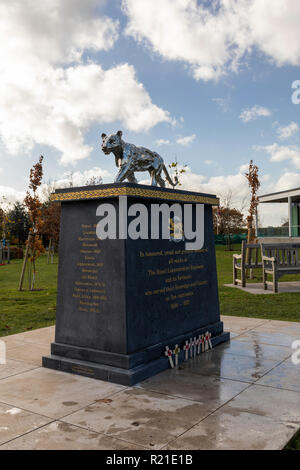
x: 294, y: 444
x: 238, y: 303
x: 22, y: 311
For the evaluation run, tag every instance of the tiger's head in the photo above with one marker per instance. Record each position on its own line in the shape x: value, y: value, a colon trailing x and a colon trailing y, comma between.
x: 111, y: 142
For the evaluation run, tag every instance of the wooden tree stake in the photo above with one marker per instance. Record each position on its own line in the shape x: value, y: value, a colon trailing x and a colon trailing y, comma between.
x: 25, y: 262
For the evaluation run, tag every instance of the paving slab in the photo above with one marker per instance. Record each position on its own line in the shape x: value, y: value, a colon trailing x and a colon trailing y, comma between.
x: 11, y: 341
x: 256, y: 350
x: 280, y: 405
x: 242, y: 395
x: 239, y: 325
x: 285, y: 375
x: 15, y: 422
x: 141, y: 417
x: 13, y: 367
x: 235, y: 430
x: 39, y: 336
x: 230, y: 366
x: 243, y: 321
x: 29, y: 352
x: 293, y: 326
x: 258, y: 418
x: 258, y: 289
x: 211, y: 391
x: 268, y: 337
x: 62, y: 436
x: 293, y: 331
x: 53, y: 394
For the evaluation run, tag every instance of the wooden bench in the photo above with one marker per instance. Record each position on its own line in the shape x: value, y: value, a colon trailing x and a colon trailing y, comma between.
x: 278, y: 260
x: 248, y: 259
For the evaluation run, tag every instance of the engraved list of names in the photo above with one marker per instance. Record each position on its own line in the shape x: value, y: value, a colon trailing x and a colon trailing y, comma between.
x: 89, y: 288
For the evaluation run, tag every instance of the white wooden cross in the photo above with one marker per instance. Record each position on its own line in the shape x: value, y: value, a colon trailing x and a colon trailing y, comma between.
x: 195, y: 346
x: 176, y: 352
x: 199, y: 344
x: 206, y: 341
x: 168, y: 353
x: 203, y: 343
x: 209, y: 340
x: 186, y: 348
x: 192, y: 346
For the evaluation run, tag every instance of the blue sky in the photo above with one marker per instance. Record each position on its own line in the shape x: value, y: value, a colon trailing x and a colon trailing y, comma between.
x: 210, y: 79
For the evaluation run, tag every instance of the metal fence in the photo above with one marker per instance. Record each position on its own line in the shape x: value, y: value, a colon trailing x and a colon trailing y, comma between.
x: 230, y: 239
x: 278, y: 231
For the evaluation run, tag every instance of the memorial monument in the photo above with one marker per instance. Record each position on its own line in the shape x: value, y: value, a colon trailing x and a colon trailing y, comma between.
x: 137, y: 272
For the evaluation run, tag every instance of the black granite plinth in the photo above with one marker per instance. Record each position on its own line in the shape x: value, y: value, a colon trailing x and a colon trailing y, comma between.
x: 121, y: 301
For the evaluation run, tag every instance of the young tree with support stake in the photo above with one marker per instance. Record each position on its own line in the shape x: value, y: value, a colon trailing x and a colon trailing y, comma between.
x: 254, y: 185
x: 34, y: 244
x: 51, y: 225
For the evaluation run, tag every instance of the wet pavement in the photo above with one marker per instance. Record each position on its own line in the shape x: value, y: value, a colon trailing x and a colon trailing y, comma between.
x: 242, y: 395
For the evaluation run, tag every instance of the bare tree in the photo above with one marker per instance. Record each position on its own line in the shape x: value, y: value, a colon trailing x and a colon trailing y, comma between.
x: 93, y: 181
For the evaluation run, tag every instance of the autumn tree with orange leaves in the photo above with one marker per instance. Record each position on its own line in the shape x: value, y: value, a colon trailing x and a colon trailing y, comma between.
x: 34, y: 246
x: 254, y: 185
x: 51, y: 225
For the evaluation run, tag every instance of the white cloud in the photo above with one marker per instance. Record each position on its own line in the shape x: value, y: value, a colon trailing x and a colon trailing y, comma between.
x: 280, y: 153
x: 288, y: 131
x: 274, y: 26
x: 288, y: 180
x: 208, y: 162
x: 214, y: 37
x: 244, y: 167
x: 9, y: 196
x: 233, y: 189
x: 250, y: 114
x: 186, y: 140
x: 162, y: 142
x: 54, y: 32
x: 223, y: 103
x: 48, y: 95
x: 79, y: 178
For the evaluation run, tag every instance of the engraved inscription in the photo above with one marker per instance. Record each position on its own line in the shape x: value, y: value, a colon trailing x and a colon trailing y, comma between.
x: 89, y: 289
x: 178, y: 276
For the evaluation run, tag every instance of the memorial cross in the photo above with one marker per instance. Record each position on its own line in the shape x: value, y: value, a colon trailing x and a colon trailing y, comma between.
x: 199, y: 344
x: 176, y: 353
x: 168, y: 353
x: 195, y: 346
x: 186, y: 348
x: 192, y: 346
x: 206, y: 341
x: 209, y: 340
x: 203, y: 343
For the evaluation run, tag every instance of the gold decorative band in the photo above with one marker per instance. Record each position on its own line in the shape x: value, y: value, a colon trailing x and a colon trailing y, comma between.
x: 123, y: 191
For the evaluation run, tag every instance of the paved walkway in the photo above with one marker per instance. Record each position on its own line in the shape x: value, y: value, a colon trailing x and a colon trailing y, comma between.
x: 257, y: 288
x: 242, y: 395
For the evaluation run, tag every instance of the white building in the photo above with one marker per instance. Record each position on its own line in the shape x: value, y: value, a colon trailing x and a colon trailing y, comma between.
x: 292, y: 200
